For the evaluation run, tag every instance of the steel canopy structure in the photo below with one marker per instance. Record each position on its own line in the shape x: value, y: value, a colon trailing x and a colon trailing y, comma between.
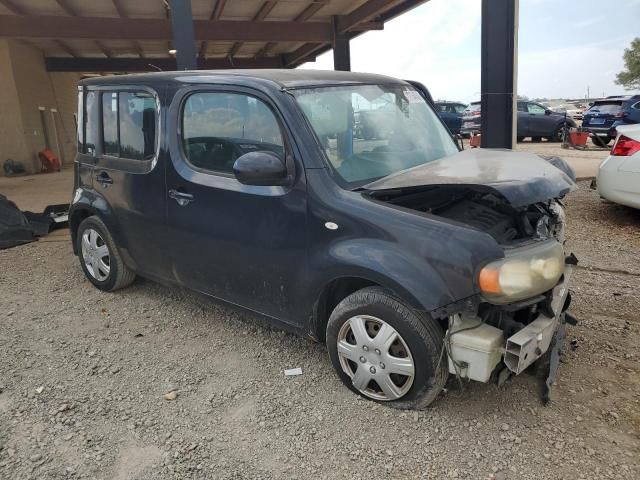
x: 124, y: 36
x: 120, y: 36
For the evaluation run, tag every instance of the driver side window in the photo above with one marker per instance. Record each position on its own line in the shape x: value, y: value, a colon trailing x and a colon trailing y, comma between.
x: 535, y: 108
x: 217, y: 128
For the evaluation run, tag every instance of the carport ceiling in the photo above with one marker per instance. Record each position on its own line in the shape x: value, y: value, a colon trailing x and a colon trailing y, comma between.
x: 121, y: 35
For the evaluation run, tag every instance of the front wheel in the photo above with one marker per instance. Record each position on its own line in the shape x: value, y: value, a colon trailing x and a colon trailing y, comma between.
x: 384, y: 350
x: 558, y: 135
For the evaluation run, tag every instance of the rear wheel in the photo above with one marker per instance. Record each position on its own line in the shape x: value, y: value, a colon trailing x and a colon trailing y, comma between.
x: 99, y: 257
x: 385, y: 351
x: 601, y: 140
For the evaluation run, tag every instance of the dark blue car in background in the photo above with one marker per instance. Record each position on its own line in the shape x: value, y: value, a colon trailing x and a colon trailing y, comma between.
x: 605, y: 115
x: 451, y: 114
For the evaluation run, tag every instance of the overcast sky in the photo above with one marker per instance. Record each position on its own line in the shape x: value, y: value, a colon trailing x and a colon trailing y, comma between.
x: 564, y: 46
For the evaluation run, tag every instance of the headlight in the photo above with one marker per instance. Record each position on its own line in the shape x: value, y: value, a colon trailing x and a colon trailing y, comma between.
x: 523, y: 273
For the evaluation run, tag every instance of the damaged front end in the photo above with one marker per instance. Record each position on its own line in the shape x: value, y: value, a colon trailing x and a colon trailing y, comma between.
x: 519, y: 312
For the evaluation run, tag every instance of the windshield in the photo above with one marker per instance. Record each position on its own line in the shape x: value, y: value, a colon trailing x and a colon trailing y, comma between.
x: 606, y: 107
x: 370, y: 131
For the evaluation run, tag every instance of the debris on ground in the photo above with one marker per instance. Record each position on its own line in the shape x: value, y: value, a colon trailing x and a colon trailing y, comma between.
x: 18, y: 227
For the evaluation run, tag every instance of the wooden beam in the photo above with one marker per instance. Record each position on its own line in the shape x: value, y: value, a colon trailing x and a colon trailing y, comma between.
x: 28, y: 26
x: 216, y: 12
x: 369, y: 14
x: 309, y: 11
x: 366, y: 12
x: 122, y: 13
x: 120, y: 9
x: 303, y: 54
x: 14, y: 7
x: 66, y: 48
x: 262, y: 13
x: 104, y: 49
x: 83, y: 64
x: 264, y: 51
x: 68, y: 8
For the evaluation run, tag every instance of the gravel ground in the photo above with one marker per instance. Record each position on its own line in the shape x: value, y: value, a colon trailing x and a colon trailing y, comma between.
x: 152, y: 383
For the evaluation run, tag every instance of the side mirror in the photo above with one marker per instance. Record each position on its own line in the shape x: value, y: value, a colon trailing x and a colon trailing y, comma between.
x: 260, y: 168
x: 548, y: 112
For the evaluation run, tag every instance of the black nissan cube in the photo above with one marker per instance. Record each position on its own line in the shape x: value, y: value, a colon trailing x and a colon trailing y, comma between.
x: 409, y: 258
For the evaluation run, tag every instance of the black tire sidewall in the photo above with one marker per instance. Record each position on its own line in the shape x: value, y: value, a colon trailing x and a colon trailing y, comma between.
x: 109, y: 283
x: 423, y: 351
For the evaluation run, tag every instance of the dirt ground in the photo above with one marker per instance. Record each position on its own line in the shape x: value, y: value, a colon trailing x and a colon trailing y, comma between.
x: 83, y: 375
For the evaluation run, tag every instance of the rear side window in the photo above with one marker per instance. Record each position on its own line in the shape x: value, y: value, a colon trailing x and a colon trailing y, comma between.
x: 129, y: 125
x: 90, y: 120
x: 110, y: 124
x: 606, y: 107
x: 217, y: 128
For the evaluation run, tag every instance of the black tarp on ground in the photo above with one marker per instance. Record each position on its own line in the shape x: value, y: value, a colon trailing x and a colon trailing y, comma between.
x: 14, y: 226
x: 17, y: 228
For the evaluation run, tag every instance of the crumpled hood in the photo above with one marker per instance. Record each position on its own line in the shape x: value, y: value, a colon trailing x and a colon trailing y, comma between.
x: 522, y: 178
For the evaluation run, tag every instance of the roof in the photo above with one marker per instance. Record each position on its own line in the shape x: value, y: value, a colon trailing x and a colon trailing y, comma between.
x: 126, y: 36
x: 286, y: 78
x: 617, y: 98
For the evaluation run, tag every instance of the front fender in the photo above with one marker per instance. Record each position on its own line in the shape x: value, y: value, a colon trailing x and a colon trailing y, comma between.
x: 419, y: 282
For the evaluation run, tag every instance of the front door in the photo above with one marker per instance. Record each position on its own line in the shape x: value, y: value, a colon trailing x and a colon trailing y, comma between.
x: 538, y: 120
x: 240, y: 243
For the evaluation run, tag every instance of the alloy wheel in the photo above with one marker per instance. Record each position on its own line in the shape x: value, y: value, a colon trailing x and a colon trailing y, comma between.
x: 376, y: 358
x: 95, y: 255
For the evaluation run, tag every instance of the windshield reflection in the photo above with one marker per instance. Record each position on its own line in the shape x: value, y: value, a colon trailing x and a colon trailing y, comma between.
x: 371, y: 131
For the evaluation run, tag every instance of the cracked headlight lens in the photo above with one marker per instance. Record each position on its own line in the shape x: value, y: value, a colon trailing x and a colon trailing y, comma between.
x: 523, y: 273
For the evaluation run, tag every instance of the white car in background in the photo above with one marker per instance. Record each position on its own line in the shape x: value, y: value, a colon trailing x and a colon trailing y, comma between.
x: 619, y: 175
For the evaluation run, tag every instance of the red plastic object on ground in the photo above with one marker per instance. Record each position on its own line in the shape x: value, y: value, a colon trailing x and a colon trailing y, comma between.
x: 474, y: 141
x: 578, y: 138
x: 50, y: 162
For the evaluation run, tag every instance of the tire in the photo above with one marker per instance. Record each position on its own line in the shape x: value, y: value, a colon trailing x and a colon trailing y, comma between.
x: 416, y: 335
x: 601, y: 140
x: 557, y: 134
x: 99, y: 257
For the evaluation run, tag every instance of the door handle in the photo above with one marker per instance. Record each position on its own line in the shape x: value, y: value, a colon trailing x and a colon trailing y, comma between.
x: 183, y: 198
x: 104, y: 179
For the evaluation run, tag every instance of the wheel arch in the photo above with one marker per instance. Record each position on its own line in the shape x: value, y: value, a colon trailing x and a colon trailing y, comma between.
x: 77, y: 215
x: 337, y: 289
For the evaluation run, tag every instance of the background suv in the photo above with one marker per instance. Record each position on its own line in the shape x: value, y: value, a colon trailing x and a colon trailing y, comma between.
x: 451, y: 114
x: 605, y: 115
x: 534, y: 120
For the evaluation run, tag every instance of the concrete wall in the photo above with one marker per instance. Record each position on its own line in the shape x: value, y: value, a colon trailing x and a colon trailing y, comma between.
x: 12, y: 144
x: 25, y: 86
